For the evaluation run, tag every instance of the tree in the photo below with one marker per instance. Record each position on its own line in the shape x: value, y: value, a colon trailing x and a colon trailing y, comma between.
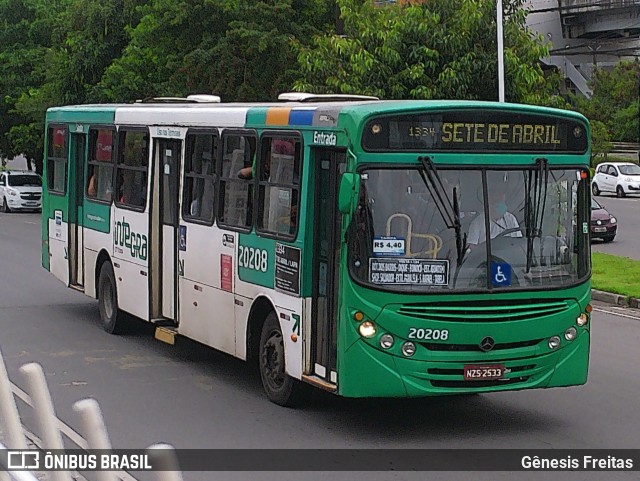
x: 53, y: 54
x: 615, y: 100
x: 430, y: 50
x: 600, y: 142
x: 25, y: 43
x: 240, y: 50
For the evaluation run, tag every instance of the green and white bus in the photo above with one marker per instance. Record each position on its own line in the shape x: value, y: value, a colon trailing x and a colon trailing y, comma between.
x: 339, y: 241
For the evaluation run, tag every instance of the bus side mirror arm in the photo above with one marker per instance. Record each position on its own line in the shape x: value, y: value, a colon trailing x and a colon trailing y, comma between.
x: 349, y: 192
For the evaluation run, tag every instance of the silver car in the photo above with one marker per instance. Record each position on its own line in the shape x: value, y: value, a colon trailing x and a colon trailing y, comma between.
x: 20, y: 191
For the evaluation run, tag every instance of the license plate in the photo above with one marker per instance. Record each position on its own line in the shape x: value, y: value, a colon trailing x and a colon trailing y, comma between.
x: 599, y: 229
x: 478, y: 372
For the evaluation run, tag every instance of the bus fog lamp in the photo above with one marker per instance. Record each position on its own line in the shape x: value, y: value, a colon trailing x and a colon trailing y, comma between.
x: 582, y: 320
x: 386, y: 341
x: 367, y: 329
x: 554, y: 342
x: 570, y: 334
x: 408, y: 349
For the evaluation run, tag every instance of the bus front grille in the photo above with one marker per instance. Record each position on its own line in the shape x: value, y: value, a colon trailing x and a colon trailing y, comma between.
x: 483, y: 311
x: 432, y: 346
x: 470, y: 384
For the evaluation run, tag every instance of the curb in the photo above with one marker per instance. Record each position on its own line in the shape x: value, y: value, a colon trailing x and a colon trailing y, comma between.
x: 617, y: 299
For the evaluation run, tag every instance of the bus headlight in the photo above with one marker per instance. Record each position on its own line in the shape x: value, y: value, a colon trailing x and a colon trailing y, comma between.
x: 408, y: 349
x: 386, y: 341
x: 554, y: 342
x: 570, y: 334
x: 582, y: 320
x: 367, y: 329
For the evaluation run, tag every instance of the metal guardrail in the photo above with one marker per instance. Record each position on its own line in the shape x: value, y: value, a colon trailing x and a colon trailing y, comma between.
x: 625, y: 147
x: 49, y: 426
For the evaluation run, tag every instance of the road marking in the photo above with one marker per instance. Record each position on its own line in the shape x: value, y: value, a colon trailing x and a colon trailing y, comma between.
x: 637, y: 318
x: 67, y: 431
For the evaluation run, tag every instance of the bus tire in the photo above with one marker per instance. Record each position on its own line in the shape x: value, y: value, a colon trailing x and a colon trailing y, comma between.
x: 108, y: 300
x: 281, y: 388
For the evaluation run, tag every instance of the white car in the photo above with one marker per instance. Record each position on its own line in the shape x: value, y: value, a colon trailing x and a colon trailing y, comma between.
x: 20, y: 191
x: 620, y: 177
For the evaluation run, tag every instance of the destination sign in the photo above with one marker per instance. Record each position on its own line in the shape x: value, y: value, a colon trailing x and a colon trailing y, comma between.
x: 474, y: 130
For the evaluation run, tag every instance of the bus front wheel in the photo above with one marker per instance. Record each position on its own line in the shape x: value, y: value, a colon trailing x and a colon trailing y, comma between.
x: 108, y: 300
x: 281, y: 388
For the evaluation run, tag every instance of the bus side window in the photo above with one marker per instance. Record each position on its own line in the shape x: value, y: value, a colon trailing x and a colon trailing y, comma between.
x: 133, y: 161
x: 199, y: 177
x: 100, y: 165
x: 57, y: 151
x: 235, y: 194
x: 279, y: 186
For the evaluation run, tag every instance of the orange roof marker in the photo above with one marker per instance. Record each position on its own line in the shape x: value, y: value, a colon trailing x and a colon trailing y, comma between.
x: 278, y: 116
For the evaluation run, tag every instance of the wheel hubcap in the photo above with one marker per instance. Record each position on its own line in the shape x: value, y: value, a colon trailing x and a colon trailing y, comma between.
x: 273, y: 360
x: 107, y: 296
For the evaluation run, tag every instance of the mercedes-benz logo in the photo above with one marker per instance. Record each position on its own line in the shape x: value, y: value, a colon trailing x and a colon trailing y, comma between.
x: 487, y: 344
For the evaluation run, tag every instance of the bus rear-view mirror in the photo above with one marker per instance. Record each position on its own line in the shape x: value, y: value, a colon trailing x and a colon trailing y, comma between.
x: 349, y: 191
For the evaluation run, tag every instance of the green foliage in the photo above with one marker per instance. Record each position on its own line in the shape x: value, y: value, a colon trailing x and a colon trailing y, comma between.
x: 600, y: 142
x: 57, y: 52
x: 25, y: 51
x: 615, y: 100
x: 240, y: 50
x: 434, y: 50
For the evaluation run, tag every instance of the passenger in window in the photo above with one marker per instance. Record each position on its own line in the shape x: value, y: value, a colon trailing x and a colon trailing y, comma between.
x: 194, y: 211
x: 196, y: 203
x: 91, y: 189
x: 247, y: 173
x: 283, y: 146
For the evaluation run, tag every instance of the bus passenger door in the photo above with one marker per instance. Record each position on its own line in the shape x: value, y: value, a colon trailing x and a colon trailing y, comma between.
x: 76, y: 198
x: 164, y: 229
x: 328, y: 165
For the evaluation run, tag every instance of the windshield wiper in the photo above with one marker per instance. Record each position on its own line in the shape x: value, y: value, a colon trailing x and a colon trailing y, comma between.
x: 449, y: 211
x: 536, y: 186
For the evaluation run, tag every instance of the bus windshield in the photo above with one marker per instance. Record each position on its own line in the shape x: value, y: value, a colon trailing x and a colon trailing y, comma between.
x: 472, y: 229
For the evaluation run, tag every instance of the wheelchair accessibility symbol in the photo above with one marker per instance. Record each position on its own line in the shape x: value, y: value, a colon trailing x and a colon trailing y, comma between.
x: 500, y: 274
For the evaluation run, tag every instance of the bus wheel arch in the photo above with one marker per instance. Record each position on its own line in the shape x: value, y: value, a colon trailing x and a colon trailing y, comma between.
x: 260, y: 310
x: 111, y: 317
x: 103, y: 257
x: 263, y: 330
x: 280, y: 388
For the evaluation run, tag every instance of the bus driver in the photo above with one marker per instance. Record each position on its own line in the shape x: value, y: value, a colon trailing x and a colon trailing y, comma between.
x: 500, y: 220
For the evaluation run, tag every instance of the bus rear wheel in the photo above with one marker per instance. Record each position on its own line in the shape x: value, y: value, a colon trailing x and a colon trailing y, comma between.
x: 108, y: 300
x: 281, y: 388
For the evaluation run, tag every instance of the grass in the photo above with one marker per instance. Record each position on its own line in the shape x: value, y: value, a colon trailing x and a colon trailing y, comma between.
x: 617, y: 274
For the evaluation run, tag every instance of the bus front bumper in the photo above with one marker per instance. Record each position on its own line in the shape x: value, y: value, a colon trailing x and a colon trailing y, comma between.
x: 368, y: 372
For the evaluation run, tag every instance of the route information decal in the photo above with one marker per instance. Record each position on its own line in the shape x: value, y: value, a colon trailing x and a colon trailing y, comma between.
x: 419, y: 272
